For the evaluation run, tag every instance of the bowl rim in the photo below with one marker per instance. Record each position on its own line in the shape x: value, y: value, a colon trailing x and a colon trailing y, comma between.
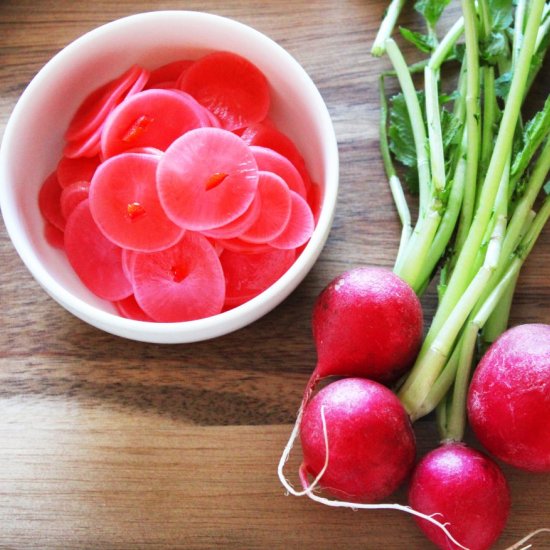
x: 185, y: 331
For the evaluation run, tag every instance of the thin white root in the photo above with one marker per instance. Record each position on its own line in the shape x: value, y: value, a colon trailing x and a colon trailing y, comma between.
x: 517, y: 545
x: 309, y: 488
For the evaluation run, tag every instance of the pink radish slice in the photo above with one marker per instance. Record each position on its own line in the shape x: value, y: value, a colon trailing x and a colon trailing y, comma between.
x: 96, y: 260
x: 151, y: 118
x: 72, y: 196
x: 130, y: 309
x: 207, y: 178
x: 300, y: 225
x: 125, y: 204
x: 267, y: 135
x: 271, y: 161
x: 169, y: 72
x: 97, y: 105
x: 70, y: 170
x: 230, y: 86
x: 247, y: 275
x: 243, y: 247
x: 146, y: 151
x: 53, y: 235
x: 90, y: 146
x: 49, y: 201
x: 181, y: 283
x: 275, y: 208
x: 128, y: 259
x: 240, y: 225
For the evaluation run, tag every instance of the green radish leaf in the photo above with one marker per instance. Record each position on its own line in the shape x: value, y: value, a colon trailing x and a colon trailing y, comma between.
x: 423, y: 42
x: 501, y: 13
x: 534, y: 132
x: 502, y: 84
x: 495, y: 47
x: 401, y: 138
x: 450, y: 129
x: 431, y: 10
x: 547, y: 187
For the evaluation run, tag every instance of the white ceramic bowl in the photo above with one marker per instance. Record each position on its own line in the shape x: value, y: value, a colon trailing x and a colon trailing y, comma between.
x: 33, y: 142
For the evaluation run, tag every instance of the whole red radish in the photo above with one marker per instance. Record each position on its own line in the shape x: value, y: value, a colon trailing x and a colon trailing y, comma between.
x: 466, y: 490
x: 371, y: 445
x: 367, y: 322
x: 509, y: 398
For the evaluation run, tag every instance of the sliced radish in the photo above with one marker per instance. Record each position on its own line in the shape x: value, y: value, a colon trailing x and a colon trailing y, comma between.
x: 128, y: 260
x: 72, y: 196
x: 275, y: 206
x: 243, y: 247
x: 300, y: 225
x: 267, y: 135
x: 247, y: 275
x: 99, y: 103
x: 129, y: 308
x: 125, y: 204
x: 53, y: 235
x: 181, y: 283
x: 96, y: 260
x: 151, y: 118
x: 170, y: 72
x: 207, y: 178
x: 49, y: 201
x: 315, y: 200
x: 79, y: 169
x: 240, y: 225
x: 271, y: 161
x: 89, y: 146
x: 230, y: 86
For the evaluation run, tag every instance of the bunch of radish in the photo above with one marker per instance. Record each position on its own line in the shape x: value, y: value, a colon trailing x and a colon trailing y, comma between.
x: 479, y: 170
x: 177, y: 197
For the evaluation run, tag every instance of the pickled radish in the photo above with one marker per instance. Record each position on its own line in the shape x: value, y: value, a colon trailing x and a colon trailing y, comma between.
x: 176, y: 196
x: 72, y: 196
x: 207, y: 178
x: 267, y: 135
x: 181, y: 283
x: 125, y: 204
x: 229, y: 86
x: 299, y: 227
x: 240, y: 225
x: 129, y: 308
x: 248, y: 275
x: 49, y: 197
x: 151, y: 118
x: 275, y: 207
x: 71, y: 170
x: 54, y: 236
x: 98, y: 104
x: 168, y: 73
x: 96, y: 260
x: 271, y: 161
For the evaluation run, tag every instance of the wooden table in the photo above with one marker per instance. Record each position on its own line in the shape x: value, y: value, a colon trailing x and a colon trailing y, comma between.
x: 108, y: 443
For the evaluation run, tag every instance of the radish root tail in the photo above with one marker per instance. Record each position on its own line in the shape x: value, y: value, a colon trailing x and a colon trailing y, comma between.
x: 518, y: 544
x: 309, y: 487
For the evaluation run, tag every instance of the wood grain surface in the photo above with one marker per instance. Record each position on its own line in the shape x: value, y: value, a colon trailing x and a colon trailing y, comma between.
x: 108, y: 443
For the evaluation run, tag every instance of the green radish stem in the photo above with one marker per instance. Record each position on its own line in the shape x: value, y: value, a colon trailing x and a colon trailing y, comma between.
x: 394, y: 181
x: 416, y: 387
x: 417, y: 121
x: 434, y: 358
x: 386, y: 28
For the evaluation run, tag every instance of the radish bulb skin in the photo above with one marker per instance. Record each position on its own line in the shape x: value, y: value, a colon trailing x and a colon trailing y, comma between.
x: 370, y: 440
x: 509, y: 398
x: 468, y: 492
x: 367, y: 322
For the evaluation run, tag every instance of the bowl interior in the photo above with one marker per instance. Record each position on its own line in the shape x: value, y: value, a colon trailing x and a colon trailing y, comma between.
x: 33, y: 143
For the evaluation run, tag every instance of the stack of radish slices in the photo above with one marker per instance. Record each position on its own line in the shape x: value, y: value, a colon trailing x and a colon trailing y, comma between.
x: 176, y: 197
